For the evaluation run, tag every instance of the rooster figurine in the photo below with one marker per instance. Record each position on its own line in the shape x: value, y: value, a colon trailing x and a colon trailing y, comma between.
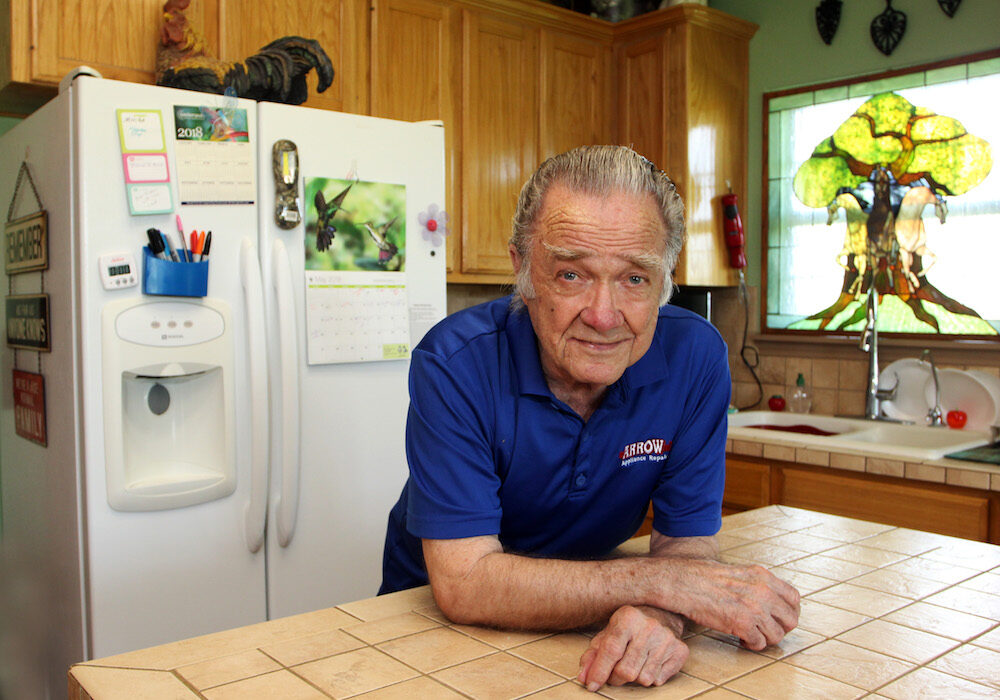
x: 276, y: 74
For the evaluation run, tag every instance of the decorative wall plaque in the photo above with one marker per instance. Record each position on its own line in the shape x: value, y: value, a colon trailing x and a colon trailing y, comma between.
x: 26, y: 243
x: 28, y: 322
x: 29, y: 406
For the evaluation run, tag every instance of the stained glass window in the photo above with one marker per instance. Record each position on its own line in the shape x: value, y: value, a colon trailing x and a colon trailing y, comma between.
x: 889, y: 187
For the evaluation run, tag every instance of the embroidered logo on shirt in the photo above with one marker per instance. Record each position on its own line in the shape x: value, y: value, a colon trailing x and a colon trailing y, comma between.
x: 654, y: 450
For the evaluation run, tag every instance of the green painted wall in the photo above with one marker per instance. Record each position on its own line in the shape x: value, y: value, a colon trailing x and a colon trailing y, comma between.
x: 787, y: 52
x: 7, y: 123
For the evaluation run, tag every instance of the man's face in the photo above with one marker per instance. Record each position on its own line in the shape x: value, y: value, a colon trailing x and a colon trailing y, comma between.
x: 596, y: 267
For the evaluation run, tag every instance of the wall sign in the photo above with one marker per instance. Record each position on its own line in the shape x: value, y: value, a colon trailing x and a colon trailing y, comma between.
x: 26, y: 243
x: 29, y: 406
x: 28, y: 322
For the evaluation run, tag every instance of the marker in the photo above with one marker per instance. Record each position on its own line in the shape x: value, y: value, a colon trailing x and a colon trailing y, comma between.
x: 169, y: 248
x: 208, y: 244
x: 156, y: 243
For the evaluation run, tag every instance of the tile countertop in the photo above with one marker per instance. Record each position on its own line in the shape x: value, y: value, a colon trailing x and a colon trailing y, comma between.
x: 887, y: 613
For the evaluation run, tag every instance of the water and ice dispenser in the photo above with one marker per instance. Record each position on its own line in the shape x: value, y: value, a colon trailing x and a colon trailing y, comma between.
x: 168, y: 403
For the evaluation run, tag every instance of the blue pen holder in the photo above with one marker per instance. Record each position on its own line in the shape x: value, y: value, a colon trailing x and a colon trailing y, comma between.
x: 176, y: 279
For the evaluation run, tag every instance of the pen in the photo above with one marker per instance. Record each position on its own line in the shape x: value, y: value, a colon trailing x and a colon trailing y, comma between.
x: 169, y: 248
x: 208, y: 244
x: 180, y: 232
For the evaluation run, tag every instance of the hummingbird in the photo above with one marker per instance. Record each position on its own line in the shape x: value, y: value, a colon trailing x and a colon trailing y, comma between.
x: 325, y: 230
x: 386, y: 249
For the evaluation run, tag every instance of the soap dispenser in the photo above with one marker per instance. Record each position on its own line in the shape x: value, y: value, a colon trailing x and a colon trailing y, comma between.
x: 800, y: 400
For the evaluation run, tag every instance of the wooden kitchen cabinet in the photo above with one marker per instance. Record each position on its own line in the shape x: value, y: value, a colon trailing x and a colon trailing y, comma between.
x: 945, y: 509
x: 682, y: 101
x: 748, y: 485
x: 531, y: 87
x: 416, y: 67
x: 45, y: 39
x: 499, y: 132
x: 340, y: 27
x: 119, y: 38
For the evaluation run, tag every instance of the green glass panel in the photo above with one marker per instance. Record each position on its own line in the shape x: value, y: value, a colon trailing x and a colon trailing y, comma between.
x: 830, y: 95
x: 946, y: 74
x: 987, y: 67
x: 775, y: 138
x: 898, y: 82
x: 800, y: 99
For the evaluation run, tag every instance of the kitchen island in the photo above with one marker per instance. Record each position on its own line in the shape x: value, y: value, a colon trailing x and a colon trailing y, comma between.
x: 886, y: 612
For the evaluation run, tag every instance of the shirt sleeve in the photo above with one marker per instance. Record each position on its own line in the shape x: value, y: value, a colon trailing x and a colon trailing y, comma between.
x: 687, y: 501
x: 454, y: 487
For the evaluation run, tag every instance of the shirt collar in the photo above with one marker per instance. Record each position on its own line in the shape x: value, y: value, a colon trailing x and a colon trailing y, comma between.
x: 650, y: 368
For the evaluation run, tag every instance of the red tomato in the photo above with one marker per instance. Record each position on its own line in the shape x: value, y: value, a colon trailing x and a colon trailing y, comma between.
x: 956, y: 419
x: 776, y: 403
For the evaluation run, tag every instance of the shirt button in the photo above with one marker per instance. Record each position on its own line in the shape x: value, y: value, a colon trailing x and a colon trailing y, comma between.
x: 581, y: 480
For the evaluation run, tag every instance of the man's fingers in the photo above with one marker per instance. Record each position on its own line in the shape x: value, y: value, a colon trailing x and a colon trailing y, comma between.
x: 606, y: 651
x: 673, y: 663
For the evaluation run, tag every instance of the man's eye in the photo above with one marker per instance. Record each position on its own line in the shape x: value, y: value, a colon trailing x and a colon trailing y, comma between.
x: 568, y: 275
x: 636, y: 279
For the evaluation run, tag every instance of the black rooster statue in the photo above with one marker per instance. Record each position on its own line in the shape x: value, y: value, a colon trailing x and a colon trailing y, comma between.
x: 275, y: 74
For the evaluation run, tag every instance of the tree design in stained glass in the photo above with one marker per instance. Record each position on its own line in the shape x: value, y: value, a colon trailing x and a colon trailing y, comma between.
x: 884, y: 166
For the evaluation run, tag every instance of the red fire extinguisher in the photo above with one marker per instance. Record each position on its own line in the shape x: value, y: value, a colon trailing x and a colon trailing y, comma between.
x: 732, y: 227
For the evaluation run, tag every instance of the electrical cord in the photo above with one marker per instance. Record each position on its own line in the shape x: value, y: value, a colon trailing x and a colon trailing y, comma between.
x: 748, y: 353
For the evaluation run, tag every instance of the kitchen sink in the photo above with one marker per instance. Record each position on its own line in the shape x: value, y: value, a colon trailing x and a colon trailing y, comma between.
x: 833, y: 433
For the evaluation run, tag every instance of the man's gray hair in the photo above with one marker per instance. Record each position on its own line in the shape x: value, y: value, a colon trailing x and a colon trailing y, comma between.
x: 600, y: 171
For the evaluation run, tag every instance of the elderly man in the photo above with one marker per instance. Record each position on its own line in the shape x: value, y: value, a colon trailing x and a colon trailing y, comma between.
x: 541, y: 426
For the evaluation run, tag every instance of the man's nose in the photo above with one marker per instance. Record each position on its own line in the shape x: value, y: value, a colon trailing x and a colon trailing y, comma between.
x: 601, y: 312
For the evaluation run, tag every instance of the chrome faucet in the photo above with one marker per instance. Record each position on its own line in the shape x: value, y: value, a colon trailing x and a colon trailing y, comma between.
x: 869, y: 344
x: 934, y: 412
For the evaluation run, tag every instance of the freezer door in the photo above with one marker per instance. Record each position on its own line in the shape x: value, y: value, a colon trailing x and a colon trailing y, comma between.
x: 337, y: 448
x: 161, y: 575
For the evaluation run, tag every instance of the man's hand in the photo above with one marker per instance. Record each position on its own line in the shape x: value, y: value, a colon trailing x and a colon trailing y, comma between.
x: 747, y: 601
x: 634, y: 647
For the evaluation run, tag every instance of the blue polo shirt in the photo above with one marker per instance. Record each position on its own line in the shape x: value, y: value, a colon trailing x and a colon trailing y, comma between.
x: 492, y: 451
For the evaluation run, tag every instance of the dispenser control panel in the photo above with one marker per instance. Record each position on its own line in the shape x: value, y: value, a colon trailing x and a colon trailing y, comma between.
x: 169, y: 324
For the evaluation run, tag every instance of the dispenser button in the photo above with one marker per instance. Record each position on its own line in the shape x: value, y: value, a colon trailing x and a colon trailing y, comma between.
x: 188, y: 324
x: 154, y: 324
x: 171, y: 324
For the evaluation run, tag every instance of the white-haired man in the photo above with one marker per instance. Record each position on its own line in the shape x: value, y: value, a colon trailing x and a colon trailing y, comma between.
x: 541, y: 426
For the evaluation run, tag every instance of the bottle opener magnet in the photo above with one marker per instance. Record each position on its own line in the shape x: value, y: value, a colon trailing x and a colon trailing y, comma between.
x: 285, y: 164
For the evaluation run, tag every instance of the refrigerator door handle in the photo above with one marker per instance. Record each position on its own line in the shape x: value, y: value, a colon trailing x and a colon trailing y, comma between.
x: 255, y: 513
x: 286, y: 500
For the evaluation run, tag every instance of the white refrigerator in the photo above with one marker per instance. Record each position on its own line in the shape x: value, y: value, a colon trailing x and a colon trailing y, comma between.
x: 215, y: 453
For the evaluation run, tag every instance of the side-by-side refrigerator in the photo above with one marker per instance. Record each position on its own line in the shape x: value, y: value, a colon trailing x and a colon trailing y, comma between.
x: 200, y: 443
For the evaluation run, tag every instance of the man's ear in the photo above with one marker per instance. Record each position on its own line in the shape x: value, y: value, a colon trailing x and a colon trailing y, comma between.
x: 515, y: 258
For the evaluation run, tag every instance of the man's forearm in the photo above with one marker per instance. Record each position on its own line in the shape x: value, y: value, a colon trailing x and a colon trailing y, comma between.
x: 514, y: 591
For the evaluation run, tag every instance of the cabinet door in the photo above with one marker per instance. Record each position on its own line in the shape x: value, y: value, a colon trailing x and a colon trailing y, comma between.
x: 499, y: 131
x: 415, y: 73
x: 641, y: 108
x: 714, y: 146
x: 340, y: 26
x: 921, y: 507
x: 116, y: 37
x: 748, y: 485
x: 576, y: 104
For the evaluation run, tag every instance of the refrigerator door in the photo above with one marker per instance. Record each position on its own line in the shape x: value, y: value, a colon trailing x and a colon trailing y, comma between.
x: 337, y: 448
x: 161, y: 575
